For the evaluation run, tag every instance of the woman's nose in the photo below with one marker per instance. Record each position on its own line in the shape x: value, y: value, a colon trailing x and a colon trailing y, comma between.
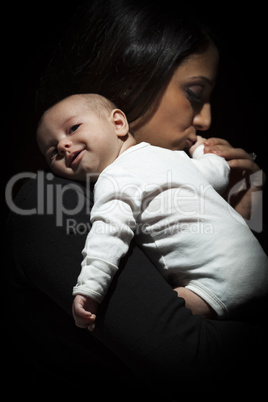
x: 63, y: 146
x: 202, y: 120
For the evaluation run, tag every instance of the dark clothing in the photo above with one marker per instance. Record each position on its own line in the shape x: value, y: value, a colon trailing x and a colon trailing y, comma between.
x: 144, y: 335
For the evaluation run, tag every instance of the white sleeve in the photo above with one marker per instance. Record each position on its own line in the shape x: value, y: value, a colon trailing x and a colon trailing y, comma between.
x: 213, y: 167
x: 113, y: 225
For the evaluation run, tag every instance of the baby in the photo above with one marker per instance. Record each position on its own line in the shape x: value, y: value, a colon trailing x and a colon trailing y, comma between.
x: 169, y: 201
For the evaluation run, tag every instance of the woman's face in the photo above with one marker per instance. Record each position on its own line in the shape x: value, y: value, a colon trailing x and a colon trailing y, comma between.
x: 185, y: 105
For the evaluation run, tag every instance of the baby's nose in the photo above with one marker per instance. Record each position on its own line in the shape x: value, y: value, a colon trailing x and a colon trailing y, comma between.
x: 64, y: 145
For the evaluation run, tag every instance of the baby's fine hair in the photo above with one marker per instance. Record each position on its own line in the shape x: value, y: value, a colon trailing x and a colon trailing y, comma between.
x: 98, y: 103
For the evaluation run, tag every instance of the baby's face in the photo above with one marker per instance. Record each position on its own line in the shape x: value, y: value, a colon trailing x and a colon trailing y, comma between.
x: 75, y: 140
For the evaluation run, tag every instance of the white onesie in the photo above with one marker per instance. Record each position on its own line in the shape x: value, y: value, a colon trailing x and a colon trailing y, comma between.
x: 188, y: 230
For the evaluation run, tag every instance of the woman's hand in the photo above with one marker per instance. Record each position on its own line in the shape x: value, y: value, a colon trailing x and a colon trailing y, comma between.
x: 246, y: 176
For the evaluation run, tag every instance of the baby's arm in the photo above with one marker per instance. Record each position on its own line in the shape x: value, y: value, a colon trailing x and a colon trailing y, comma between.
x: 84, y: 311
x: 106, y: 243
x: 200, y: 140
x: 213, y: 167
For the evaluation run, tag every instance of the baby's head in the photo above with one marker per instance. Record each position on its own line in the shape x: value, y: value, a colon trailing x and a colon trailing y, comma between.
x: 82, y: 134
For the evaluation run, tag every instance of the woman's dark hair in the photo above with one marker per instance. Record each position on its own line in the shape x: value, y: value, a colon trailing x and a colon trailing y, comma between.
x: 125, y: 50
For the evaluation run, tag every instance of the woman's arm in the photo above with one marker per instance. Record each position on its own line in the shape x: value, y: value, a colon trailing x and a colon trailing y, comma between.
x: 141, y: 323
x: 151, y: 331
x: 246, y: 192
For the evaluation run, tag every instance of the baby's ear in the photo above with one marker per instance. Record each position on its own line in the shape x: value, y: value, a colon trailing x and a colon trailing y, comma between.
x: 120, y: 122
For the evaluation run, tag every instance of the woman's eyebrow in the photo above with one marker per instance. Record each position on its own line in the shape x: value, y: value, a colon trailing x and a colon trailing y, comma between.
x: 202, y: 77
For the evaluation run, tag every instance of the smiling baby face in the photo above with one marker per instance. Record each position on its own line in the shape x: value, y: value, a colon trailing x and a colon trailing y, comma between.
x: 77, y: 139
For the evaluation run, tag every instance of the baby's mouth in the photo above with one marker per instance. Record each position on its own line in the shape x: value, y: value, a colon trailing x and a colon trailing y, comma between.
x: 73, y: 158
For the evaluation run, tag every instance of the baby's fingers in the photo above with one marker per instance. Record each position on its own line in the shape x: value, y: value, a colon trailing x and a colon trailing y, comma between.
x: 84, y: 321
x: 82, y: 307
x: 91, y: 327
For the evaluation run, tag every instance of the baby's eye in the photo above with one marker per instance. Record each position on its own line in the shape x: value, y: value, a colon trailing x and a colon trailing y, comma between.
x: 74, y: 128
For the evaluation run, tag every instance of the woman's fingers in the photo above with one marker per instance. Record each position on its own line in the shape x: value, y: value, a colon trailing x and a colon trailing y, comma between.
x: 244, y: 164
x: 216, y: 141
x: 237, y: 158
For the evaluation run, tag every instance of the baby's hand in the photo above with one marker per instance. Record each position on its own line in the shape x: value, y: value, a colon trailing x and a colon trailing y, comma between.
x: 84, y: 312
x: 200, y: 140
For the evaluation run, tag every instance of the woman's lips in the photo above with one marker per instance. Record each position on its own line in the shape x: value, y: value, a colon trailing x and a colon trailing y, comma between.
x: 190, y: 142
x: 76, y: 157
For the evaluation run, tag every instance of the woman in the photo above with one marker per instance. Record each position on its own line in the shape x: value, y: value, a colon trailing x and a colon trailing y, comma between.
x: 126, y: 44
x: 139, y: 55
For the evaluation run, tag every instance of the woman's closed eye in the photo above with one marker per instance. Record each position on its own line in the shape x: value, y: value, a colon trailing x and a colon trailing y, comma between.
x: 194, y: 93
